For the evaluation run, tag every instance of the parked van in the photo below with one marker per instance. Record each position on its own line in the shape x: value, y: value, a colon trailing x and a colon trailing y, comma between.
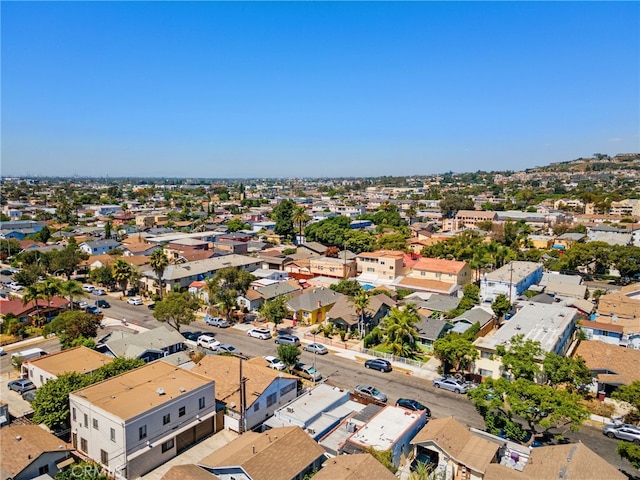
x: 29, y: 354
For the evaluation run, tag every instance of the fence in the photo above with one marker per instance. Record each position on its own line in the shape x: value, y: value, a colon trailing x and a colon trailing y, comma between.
x: 393, y: 358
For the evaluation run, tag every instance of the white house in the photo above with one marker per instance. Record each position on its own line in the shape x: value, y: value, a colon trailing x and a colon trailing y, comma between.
x: 98, y: 247
x: 136, y: 421
x: 510, y: 280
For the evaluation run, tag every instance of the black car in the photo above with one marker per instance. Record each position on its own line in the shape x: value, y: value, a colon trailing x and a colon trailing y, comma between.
x: 6, y: 272
x: 193, y: 335
x: 379, y: 364
x: 102, y: 304
x: 411, y: 404
x: 151, y: 306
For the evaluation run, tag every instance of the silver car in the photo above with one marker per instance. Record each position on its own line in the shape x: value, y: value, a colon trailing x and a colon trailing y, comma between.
x: 316, y: 348
x: 451, y: 384
x: 627, y: 432
x: 372, y: 392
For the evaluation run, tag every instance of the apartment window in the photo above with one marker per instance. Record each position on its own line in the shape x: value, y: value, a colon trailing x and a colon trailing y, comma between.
x: 422, y: 274
x: 256, y: 406
x: 166, y: 418
x: 41, y: 380
x: 201, y: 403
x: 104, y: 457
x: 485, y: 373
x: 168, y: 445
x: 370, y: 269
x: 486, y: 355
x: 288, y: 388
x: 438, y: 275
x: 113, y: 434
x: 84, y: 445
x: 43, y: 469
x: 142, y: 432
x: 95, y: 423
x: 73, y: 413
x: 271, y: 399
x: 182, y: 411
x: 86, y: 420
x: 74, y: 440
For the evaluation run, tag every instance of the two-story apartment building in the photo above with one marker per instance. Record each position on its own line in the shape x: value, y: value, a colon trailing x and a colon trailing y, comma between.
x: 136, y: 421
x: 380, y: 267
x: 510, y: 280
x: 341, y: 267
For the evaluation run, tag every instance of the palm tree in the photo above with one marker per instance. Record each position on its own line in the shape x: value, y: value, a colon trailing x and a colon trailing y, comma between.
x: 33, y: 293
x: 122, y: 273
x: 50, y: 288
x: 159, y: 262
x: 300, y: 218
x: 400, y: 332
x: 72, y: 289
x: 361, y: 302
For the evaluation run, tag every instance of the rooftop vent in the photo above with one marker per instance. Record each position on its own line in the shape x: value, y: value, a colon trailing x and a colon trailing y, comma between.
x: 160, y: 391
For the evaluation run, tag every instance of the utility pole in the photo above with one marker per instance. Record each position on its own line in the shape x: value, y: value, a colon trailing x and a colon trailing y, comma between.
x: 510, y: 282
x: 243, y: 401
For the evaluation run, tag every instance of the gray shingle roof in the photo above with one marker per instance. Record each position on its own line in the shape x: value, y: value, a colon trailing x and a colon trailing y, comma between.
x: 309, y: 301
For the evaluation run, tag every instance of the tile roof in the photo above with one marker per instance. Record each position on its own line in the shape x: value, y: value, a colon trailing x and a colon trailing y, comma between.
x: 625, y: 362
x: 359, y: 466
x: 440, y: 265
x: 277, y: 454
x: 458, y: 442
x: 23, y: 444
x: 188, y: 472
x: 78, y: 359
x: 225, y: 371
x: 424, y: 284
x: 382, y: 253
x: 135, y: 392
x: 16, y: 306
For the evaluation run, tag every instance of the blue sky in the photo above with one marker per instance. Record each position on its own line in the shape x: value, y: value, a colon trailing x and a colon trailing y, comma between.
x: 297, y: 89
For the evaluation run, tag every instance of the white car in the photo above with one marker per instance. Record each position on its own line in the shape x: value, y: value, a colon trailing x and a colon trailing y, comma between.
x: 135, y: 301
x: 261, y: 333
x: 99, y: 291
x: 274, y: 362
x: 87, y: 288
x: 207, y: 341
x: 15, y: 286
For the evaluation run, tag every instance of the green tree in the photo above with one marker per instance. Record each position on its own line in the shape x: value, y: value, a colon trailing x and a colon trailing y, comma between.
x: 107, y: 229
x: 33, y: 293
x: 629, y: 451
x: 289, y: 354
x: 330, y: 231
x: 177, y: 309
x: 68, y: 259
x: 159, y: 262
x: 122, y: 273
x: 28, y: 275
x: 359, y: 241
x: 361, y: 302
x: 385, y: 457
x: 455, y: 351
x: 630, y: 394
x: 235, y: 224
x: 51, y: 403
x: 300, y: 218
x: 562, y: 370
x: 275, y: 310
x: 116, y: 367
x: 453, y: 202
x: 73, y: 324
x: 521, y: 357
x: 350, y: 288
x: 501, y: 305
x: 72, y: 289
x: 399, y: 330
x: 282, y: 214
x: 225, y: 287
x: 82, y: 471
x: 470, y: 298
x: 393, y: 241
x: 9, y: 248
x: 102, y: 275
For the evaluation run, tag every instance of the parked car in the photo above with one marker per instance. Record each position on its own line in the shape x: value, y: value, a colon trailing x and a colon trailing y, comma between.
x: 151, y: 306
x: 208, y: 341
x: 2, y: 352
x: 29, y: 395
x: 261, y: 333
x: 226, y: 348
x: 274, y: 362
x: 216, y: 321
x: 99, y: 291
x: 379, y: 364
x: 307, y: 371
x: 192, y: 335
x: 16, y: 287
x: 451, y: 384
x: 102, y: 304
x: 411, y: 404
x: 83, y: 305
x: 88, y: 288
x: 287, y: 340
x: 21, y: 385
x: 94, y: 310
x: 134, y: 301
x: 316, y: 348
x: 627, y: 432
x: 6, y: 272
x: 371, y: 392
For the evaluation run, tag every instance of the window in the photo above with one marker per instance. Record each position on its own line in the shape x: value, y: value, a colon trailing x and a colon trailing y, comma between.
x: 288, y: 388
x: 95, y: 423
x: 485, y: 373
x: 113, y: 434
x: 104, y: 457
x: 142, y: 432
x: 84, y: 445
x: 41, y: 380
x: 166, y: 418
x: 271, y: 399
x: 86, y: 421
x: 73, y: 413
x: 201, y: 403
x: 256, y: 406
x: 423, y: 273
x: 486, y: 355
x: 168, y: 445
x: 370, y: 269
x: 43, y: 470
x: 74, y: 440
x: 182, y: 411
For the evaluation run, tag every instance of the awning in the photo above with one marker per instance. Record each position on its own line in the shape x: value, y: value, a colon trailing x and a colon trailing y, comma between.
x: 65, y: 463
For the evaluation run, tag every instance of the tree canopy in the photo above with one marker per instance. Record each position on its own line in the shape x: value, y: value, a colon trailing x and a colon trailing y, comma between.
x: 73, y: 327
x: 275, y: 310
x: 225, y: 287
x: 176, y: 309
x: 455, y: 351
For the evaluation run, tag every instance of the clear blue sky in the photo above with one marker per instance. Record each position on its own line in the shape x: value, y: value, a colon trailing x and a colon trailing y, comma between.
x: 293, y: 89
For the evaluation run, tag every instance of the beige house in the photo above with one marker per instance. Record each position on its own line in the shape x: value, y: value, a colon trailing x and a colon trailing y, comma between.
x: 358, y: 466
x: 620, y: 309
x: 470, y: 218
x: 333, y: 267
x: 380, y: 267
x: 441, y: 270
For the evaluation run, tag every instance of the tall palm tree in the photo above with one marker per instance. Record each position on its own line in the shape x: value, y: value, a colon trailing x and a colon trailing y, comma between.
x: 122, y: 273
x: 300, y: 218
x: 159, y: 262
x: 361, y: 302
x: 33, y: 293
x: 72, y: 290
x: 399, y: 330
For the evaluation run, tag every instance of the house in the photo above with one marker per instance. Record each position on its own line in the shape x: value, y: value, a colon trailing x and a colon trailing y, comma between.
x: 451, y: 447
x: 620, y: 309
x: 431, y: 329
x: 380, y: 267
x: 136, y: 421
x: 26, y: 311
x: 139, y: 248
x: 266, y: 389
x: 391, y: 429
x: 573, y: 460
x: 359, y: 466
x: 345, y: 316
x: 149, y: 346
x: 188, y: 471
x: 312, y: 306
x: 544, y: 242
x: 566, y: 240
x: 255, y: 297
x: 224, y: 246
x: 99, y: 247
x: 612, y: 365
x: 29, y: 451
x: 603, y: 332
x: 510, y: 280
x: 466, y: 320
x: 285, y: 453
x: 558, y: 285
x: 311, y: 249
x: 344, y: 266
x: 551, y: 325
x: 78, y: 359
x: 470, y: 218
x: 441, y: 270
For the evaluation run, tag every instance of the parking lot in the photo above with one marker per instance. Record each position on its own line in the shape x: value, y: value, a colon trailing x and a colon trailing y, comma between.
x: 17, y: 406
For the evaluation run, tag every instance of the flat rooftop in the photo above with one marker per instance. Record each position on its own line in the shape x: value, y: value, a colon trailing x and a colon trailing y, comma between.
x: 137, y: 391
x: 78, y: 359
x: 383, y: 430
x: 513, y: 271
